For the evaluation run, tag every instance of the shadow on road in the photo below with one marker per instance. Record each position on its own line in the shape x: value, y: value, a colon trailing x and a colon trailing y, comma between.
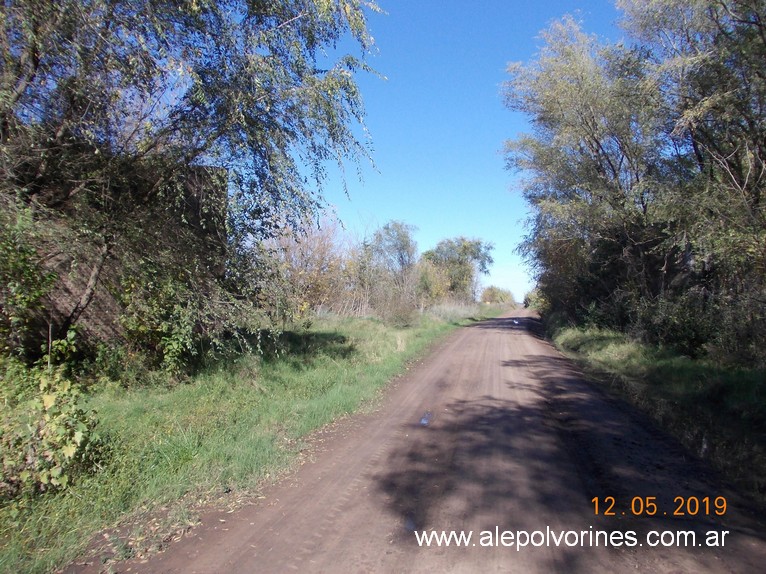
x: 539, y: 457
x: 487, y: 463
x: 475, y: 448
x: 532, y: 325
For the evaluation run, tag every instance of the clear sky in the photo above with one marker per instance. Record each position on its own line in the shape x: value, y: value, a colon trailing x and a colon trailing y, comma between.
x: 438, y: 123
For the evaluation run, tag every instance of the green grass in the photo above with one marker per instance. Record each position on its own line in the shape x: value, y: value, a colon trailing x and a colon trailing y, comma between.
x: 717, y: 413
x: 216, y: 439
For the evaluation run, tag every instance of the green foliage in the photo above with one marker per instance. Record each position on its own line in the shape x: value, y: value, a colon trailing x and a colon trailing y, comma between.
x: 536, y: 300
x: 647, y: 212
x: 239, y: 84
x: 46, y: 446
x: 320, y: 270
x: 178, y: 316
x: 684, y: 323
x: 309, y: 273
x: 175, y: 136
x: 463, y: 260
x: 159, y: 318
x: 393, y: 254
x: 396, y: 249
x: 234, y: 426
x: 717, y: 412
x: 496, y: 295
x: 18, y: 383
x: 433, y: 283
x: 23, y: 281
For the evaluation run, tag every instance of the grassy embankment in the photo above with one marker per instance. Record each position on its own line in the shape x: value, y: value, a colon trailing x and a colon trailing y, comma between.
x: 717, y: 413
x: 214, y: 439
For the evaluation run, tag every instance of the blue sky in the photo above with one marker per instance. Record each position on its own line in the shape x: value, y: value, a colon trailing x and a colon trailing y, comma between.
x: 438, y: 123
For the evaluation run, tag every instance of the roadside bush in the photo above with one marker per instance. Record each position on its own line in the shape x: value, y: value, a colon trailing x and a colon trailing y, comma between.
x: 535, y: 299
x: 175, y: 321
x: 738, y: 329
x: 555, y: 322
x: 48, y: 440
x: 453, y: 311
x: 398, y: 311
x: 683, y: 323
x: 23, y: 282
x: 159, y: 318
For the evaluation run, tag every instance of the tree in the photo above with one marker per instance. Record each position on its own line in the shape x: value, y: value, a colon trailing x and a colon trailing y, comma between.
x: 311, y: 268
x: 708, y: 62
x: 396, y: 249
x: 237, y: 85
x: 463, y: 260
x: 646, y: 169
x: 392, y: 254
x: 433, y: 283
x: 496, y: 295
x: 597, y: 229
x: 108, y: 108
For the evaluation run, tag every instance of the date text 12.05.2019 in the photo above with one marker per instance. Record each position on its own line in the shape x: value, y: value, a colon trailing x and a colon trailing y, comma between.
x: 648, y: 506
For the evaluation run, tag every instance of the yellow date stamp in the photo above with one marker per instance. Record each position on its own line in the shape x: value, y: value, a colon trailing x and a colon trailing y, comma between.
x: 648, y: 506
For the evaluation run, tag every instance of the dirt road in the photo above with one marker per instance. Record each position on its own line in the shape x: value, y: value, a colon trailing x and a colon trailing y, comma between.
x: 493, y: 432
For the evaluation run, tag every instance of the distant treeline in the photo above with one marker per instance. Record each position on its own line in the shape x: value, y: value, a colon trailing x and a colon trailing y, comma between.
x: 382, y: 275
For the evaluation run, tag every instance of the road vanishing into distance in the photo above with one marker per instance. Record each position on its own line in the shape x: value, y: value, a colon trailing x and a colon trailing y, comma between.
x: 497, y: 436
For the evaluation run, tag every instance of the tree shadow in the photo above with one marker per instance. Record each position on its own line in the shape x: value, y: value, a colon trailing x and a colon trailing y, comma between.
x: 532, y: 325
x: 302, y: 348
x: 537, y: 462
x: 486, y: 463
x: 474, y: 447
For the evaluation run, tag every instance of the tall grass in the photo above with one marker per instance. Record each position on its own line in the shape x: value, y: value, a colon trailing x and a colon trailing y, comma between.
x: 216, y: 438
x: 717, y: 413
x: 455, y: 312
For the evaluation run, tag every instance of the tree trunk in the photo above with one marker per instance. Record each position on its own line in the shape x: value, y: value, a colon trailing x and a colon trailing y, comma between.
x: 90, y: 291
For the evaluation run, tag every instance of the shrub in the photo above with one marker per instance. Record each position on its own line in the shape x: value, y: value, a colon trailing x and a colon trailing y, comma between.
x: 23, y: 281
x: 46, y: 444
x: 683, y: 323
